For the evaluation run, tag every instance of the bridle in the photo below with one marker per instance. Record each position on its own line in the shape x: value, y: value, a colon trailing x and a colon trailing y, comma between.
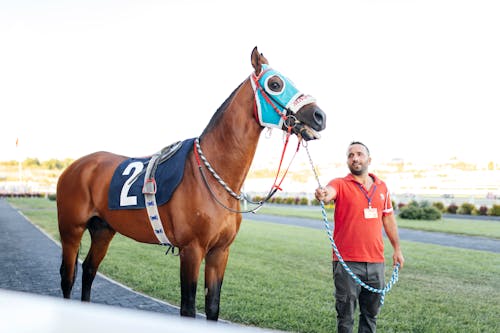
x: 287, y: 121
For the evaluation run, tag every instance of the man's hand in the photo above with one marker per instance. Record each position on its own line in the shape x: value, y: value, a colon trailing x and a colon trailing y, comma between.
x: 325, y: 194
x: 320, y: 193
x: 397, y: 258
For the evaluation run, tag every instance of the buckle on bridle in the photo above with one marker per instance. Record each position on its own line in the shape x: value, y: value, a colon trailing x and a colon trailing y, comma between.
x: 290, y: 120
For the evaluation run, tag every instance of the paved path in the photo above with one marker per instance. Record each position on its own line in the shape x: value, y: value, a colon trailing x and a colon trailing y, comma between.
x: 30, y: 260
x: 439, y: 238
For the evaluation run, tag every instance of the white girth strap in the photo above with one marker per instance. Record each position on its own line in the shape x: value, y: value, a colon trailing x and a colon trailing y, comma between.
x: 149, y: 191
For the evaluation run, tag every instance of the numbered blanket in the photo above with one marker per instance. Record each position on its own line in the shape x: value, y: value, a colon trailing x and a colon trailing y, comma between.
x: 125, y: 190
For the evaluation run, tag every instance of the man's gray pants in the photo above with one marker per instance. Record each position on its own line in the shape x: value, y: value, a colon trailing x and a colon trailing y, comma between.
x: 348, y: 293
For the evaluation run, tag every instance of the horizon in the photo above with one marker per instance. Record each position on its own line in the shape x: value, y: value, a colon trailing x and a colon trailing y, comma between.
x: 263, y: 159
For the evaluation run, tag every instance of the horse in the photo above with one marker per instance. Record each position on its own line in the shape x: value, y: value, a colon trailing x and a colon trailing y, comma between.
x: 201, y: 219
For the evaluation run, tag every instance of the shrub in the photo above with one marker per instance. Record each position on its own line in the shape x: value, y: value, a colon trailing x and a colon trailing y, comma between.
x: 466, y: 208
x: 277, y: 200
x: 422, y: 211
x: 494, y: 210
x: 439, y: 205
x: 257, y: 198
x: 303, y: 202
x: 483, y: 210
x: 52, y: 197
x: 452, y: 208
x: 410, y: 212
x: 401, y: 205
x: 431, y: 213
x: 315, y: 202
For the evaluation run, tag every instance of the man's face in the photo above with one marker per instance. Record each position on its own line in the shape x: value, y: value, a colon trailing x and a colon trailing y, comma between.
x: 358, y: 159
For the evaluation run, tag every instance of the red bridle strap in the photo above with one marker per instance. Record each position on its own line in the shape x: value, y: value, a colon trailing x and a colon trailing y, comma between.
x: 275, y: 185
x: 266, y: 97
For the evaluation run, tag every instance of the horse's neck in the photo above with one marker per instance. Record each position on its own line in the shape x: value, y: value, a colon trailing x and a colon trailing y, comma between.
x: 230, y: 146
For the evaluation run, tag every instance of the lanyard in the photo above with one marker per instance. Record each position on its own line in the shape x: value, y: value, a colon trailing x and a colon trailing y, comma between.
x: 368, y: 197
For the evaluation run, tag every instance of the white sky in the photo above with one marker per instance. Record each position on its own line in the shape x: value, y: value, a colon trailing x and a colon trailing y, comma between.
x: 418, y: 80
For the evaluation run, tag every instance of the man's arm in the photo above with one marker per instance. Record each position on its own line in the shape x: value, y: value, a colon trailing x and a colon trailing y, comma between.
x: 391, y: 230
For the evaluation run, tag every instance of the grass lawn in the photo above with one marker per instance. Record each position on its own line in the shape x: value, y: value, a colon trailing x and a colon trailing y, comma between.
x: 280, y: 277
x: 470, y: 227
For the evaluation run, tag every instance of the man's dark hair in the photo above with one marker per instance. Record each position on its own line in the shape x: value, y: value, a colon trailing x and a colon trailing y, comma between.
x: 360, y: 143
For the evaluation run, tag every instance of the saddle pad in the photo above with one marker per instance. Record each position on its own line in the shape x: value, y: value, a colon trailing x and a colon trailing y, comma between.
x: 125, y: 190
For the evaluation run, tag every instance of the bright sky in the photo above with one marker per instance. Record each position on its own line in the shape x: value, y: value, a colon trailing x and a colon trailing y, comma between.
x: 418, y: 80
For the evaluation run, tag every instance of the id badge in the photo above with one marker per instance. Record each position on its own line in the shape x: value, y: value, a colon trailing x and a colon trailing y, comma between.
x: 371, y: 213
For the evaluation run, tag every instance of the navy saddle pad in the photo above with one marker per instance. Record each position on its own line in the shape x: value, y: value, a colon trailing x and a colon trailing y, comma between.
x: 125, y: 190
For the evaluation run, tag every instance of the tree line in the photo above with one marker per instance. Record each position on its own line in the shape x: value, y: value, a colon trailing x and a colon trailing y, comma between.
x: 35, y: 163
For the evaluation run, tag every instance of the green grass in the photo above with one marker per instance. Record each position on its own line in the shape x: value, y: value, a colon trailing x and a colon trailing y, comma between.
x: 280, y: 277
x: 470, y: 227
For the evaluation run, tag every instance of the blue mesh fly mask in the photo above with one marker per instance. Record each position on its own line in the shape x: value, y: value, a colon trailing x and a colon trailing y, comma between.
x: 276, y: 97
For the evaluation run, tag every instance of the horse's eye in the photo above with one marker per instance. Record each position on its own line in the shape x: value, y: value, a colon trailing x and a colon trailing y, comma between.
x: 275, y: 84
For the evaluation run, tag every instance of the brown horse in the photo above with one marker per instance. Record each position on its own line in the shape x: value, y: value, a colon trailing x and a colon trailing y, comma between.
x: 201, y: 218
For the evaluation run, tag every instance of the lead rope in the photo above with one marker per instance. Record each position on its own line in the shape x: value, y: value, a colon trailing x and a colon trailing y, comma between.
x: 329, y: 231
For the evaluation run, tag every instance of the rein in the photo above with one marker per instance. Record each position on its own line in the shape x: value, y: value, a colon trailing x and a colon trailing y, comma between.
x: 200, y: 157
x: 329, y: 231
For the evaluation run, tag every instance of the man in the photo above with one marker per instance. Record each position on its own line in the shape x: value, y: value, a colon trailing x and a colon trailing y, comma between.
x: 362, y: 207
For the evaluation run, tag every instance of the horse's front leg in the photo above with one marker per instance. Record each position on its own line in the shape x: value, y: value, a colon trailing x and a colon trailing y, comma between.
x: 191, y: 257
x: 215, y: 265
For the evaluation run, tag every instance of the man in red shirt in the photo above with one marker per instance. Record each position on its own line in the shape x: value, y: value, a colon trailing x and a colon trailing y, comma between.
x: 362, y: 207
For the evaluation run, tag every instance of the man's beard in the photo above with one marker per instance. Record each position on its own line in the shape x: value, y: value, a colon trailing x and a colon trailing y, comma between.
x: 357, y: 172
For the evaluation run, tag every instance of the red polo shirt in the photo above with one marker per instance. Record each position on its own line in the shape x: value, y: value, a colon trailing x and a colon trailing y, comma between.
x: 358, y: 234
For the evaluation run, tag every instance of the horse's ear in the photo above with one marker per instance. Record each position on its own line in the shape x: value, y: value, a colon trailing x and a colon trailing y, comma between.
x: 257, y: 60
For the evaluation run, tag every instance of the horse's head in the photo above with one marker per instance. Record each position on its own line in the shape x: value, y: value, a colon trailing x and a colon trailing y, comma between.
x: 280, y: 104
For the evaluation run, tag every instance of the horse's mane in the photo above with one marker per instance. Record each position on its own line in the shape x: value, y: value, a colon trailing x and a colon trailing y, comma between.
x: 218, y: 114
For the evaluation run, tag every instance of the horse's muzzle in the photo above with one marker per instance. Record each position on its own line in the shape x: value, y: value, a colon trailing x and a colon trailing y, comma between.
x: 310, y: 120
